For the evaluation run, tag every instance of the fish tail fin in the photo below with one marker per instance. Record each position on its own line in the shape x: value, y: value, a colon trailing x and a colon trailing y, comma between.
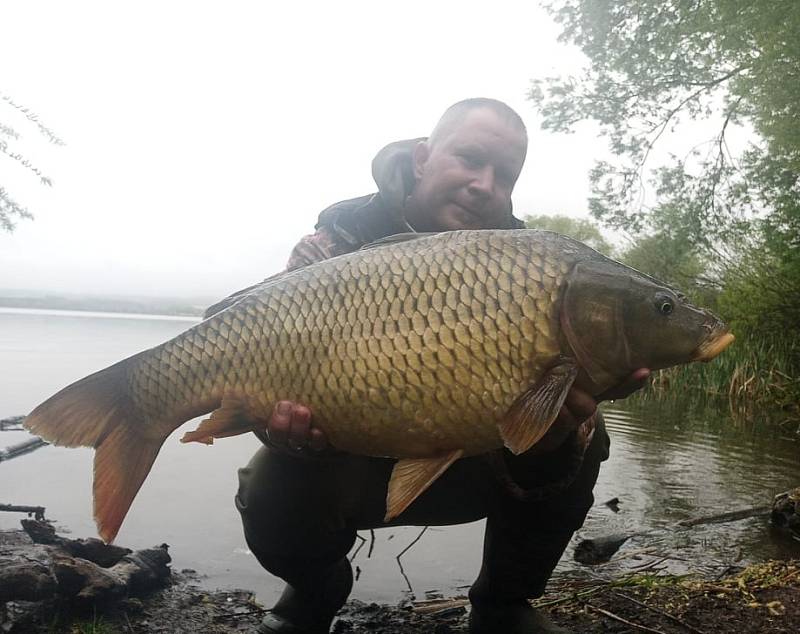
x: 121, y: 463
x: 98, y: 411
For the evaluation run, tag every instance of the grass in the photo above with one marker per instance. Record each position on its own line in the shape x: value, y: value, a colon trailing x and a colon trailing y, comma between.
x: 750, y: 374
x: 63, y: 624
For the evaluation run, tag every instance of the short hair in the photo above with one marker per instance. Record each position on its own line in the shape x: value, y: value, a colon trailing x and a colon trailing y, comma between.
x: 456, y: 113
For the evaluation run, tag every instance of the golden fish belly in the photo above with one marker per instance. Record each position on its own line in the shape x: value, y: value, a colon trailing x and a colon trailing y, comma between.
x: 402, y: 350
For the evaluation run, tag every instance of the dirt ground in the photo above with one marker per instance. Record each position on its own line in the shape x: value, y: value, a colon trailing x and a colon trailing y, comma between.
x: 759, y: 598
x: 762, y: 598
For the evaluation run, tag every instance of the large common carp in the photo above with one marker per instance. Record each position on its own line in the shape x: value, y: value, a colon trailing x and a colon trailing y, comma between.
x: 423, y: 347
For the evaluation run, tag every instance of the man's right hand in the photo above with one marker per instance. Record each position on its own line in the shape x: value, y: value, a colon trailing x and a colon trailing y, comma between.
x: 290, y: 427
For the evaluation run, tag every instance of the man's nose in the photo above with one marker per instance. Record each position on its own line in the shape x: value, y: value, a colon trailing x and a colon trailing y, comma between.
x: 482, y: 183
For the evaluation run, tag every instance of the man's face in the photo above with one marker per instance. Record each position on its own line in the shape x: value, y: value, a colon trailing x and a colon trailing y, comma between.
x: 465, y: 180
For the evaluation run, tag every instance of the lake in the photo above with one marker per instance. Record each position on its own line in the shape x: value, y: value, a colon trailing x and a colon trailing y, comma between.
x: 669, y: 461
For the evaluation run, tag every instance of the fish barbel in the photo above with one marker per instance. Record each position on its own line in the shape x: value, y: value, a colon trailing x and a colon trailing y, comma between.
x: 422, y: 347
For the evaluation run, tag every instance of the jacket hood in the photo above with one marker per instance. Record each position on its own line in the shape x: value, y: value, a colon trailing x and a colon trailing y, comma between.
x: 392, y: 169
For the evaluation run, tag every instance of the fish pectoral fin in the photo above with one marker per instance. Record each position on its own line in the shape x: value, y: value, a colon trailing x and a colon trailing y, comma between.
x: 229, y: 419
x: 531, y: 415
x: 410, y: 477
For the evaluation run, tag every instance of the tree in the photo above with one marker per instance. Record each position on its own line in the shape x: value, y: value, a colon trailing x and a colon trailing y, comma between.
x: 578, y: 228
x: 12, y: 135
x: 653, y: 64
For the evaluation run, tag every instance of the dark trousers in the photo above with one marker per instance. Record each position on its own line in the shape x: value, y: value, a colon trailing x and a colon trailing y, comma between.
x: 300, y: 515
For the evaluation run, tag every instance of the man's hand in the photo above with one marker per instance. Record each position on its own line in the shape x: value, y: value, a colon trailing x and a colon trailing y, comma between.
x: 290, y: 426
x: 636, y: 381
x: 580, y: 405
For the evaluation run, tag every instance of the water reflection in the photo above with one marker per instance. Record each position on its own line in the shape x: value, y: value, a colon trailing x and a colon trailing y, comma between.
x: 674, y: 460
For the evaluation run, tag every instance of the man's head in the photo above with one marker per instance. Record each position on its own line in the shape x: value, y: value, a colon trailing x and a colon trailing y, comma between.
x: 466, y: 170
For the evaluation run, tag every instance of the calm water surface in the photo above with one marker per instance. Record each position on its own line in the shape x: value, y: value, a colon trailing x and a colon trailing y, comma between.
x: 668, y: 463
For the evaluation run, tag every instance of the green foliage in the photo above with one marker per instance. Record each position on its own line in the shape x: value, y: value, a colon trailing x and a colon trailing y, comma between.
x: 720, y: 221
x: 578, y: 228
x: 674, y: 262
x: 760, y: 295
x: 654, y: 62
x: 16, y: 121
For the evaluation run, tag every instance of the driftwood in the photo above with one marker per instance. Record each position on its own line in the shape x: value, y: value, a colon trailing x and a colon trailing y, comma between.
x: 730, y: 516
x: 22, y: 448
x: 784, y: 512
x: 13, y: 423
x: 36, y: 511
x: 45, y: 567
x: 93, y: 549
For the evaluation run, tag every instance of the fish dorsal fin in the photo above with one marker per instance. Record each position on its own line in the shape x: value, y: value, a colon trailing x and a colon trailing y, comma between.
x: 229, y: 419
x: 531, y: 415
x: 396, y: 238
x: 410, y: 477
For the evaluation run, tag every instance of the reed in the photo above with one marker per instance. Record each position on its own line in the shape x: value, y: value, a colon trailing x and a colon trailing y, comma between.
x: 753, y: 373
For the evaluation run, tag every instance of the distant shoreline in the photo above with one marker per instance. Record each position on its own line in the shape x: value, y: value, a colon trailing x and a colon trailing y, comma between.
x: 58, y: 312
x: 177, y: 307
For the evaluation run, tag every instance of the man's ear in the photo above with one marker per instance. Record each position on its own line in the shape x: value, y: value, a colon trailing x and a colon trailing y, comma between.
x: 421, y: 153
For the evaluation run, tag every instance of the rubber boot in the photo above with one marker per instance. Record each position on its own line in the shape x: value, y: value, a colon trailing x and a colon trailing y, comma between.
x: 517, y: 617
x: 308, y: 606
x: 516, y: 567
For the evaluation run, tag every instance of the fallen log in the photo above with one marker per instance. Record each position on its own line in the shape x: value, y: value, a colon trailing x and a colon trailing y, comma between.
x: 730, y: 516
x: 81, y: 572
x: 93, y: 549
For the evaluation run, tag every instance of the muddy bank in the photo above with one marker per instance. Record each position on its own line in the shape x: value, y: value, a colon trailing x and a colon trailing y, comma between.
x: 759, y: 598
x: 756, y: 599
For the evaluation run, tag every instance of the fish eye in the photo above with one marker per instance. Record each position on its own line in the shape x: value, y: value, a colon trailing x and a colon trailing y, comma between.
x: 664, y: 305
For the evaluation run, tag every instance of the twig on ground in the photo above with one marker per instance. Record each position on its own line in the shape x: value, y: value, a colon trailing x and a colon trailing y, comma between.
x: 437, y: 606
x: 651, y: 565
x: 238, y: 615
x: 371, y: 542
x: 672, y: 617
x: 616, y: 617
x: 575, y: 596
x: 403, y: 552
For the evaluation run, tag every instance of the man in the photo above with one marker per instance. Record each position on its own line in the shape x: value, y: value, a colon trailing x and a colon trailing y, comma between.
x: 302, y: 503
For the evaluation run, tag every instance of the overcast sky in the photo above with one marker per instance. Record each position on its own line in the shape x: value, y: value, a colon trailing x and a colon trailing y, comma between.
x: 203, y: 139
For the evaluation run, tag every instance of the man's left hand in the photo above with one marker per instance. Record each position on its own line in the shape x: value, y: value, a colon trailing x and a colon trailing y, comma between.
x: 579, y: 406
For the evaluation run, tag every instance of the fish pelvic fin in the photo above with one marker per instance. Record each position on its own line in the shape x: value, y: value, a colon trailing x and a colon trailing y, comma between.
x: 410, y: 477
x: 97, y: 411
x: 229, y: 419
x: 531, y: 415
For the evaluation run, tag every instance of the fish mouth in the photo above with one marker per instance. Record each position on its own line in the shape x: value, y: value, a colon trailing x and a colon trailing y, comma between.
x: 712, y: 347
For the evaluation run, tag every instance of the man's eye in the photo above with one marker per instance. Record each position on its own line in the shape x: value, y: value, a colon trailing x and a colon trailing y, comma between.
x: 470, y: 160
